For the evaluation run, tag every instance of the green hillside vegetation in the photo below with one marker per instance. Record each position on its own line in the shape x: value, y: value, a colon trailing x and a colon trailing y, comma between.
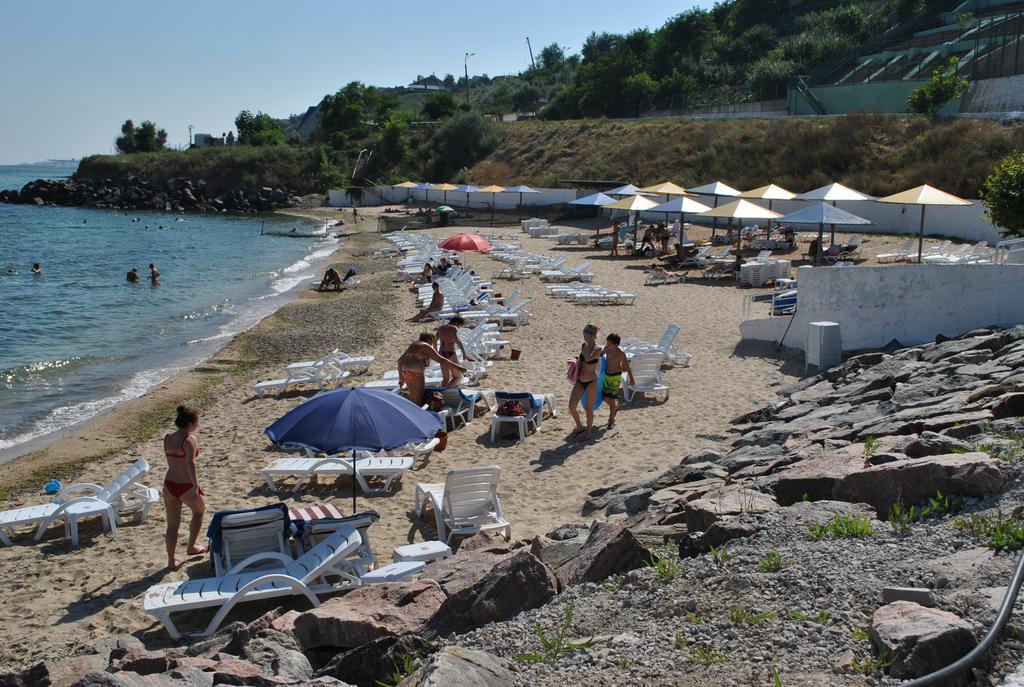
x: 873, y: 153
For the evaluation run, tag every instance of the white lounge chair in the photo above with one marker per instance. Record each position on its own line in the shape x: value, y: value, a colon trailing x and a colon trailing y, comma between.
x: 324, y: 376
x: 389, y: 468
x: 263, y: 533
x: 466, y: 503
x: 76, y: 502
x: 300, y: 577
x: 646, y: 377
x: 671, y: 356
x: 533, y: 418
x: 902, y: 252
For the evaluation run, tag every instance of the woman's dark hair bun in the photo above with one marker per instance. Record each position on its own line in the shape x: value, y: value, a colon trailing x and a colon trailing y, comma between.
x: 186, y: 416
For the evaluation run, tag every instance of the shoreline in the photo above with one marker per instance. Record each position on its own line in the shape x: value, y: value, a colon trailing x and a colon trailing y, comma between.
x: 63, y: 452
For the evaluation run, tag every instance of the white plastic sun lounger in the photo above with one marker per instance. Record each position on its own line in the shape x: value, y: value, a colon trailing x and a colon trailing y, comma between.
x: 646, y: 377
x: 467, y: 502
x: 299, y: 577
x: 78, y: 501
x: 389, y: 468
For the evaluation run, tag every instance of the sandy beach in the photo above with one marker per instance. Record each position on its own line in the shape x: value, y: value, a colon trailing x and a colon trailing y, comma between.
x: 59, y: 598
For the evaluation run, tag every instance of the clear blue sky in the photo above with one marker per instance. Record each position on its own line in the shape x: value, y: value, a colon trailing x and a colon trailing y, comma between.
x: 74, y: 70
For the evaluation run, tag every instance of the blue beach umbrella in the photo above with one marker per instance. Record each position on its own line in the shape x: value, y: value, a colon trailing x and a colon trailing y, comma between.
x: 521, y: 190
x: 354, y: 419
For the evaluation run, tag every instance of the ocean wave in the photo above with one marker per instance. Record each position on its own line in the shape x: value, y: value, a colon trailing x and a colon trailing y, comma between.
x: 206, y: 313
x: 32, y: 372
x: 66, y: 416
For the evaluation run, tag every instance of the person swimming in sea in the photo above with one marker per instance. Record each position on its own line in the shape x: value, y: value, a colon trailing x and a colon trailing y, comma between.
x: 133, y: 275
x: 154, y: 273
x: 36, y: 269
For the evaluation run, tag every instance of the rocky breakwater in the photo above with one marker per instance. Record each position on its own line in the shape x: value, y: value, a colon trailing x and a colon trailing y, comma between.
x: 134, y: 193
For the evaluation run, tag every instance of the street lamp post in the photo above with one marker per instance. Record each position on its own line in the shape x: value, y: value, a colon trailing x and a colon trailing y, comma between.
x: 465, y: 70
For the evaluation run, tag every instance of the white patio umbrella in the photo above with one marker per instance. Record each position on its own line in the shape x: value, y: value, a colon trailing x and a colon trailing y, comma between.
x: 924, y: 196
x: 521, y: 190
x: 682, y: 205
x: 740, y: 209
x: 716, y: 189
x: 833, y: 193
x: 635, y: 204
x: 627, y: 190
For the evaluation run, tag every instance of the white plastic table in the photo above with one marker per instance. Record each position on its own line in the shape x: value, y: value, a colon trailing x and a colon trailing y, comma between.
x: 427, y: 552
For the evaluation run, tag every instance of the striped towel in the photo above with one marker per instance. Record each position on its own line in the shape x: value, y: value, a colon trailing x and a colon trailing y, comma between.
x: 318, y: 512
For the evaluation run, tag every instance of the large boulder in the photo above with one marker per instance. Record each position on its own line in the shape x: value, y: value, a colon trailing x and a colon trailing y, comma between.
x: 458, y: 667
x: 919, y: 640
x: 519, y: 583
x: 729, y: 501
x: 369, y: 612
x: 59, y: 672
x: 463, y: 570
x: 365, y: 666
x: 610, y: 549
x: 277, y: 654
x: 973, y: 474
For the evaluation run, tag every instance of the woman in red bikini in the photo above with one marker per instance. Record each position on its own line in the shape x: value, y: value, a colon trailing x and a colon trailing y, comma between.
x: 181, y: 484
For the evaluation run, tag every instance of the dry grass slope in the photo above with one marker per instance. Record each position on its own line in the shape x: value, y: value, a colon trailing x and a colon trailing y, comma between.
x: 875, y: 153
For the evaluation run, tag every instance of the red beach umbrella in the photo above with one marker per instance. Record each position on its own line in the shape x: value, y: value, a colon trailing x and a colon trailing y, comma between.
x: 466, y: 243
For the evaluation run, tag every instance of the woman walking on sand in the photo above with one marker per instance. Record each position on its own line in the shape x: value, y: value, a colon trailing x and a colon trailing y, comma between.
x: 181, y: 484
x: 586, y: 381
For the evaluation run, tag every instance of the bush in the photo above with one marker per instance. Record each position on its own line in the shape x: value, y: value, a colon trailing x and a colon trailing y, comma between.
x: 1003, y: 194
x: 943, y: 86
x: 463, y: 140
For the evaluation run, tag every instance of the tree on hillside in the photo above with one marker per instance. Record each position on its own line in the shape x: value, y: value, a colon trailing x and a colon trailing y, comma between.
x: 942, y: 86
x: 1003, y: 194
x: 145, y: 138
x: 353, y: 109
x: 439, y: 106
x: 461, y: 141
x: 551, y: 57
x: 258, y: 129
x: 394, y: 142
x: 525, y: 97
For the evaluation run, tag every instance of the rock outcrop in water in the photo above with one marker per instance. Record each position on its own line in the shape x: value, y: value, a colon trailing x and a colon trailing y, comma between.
x: 134, y: 193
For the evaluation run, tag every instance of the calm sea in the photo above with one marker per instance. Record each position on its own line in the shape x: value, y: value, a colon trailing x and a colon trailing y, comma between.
x: 80, y: 339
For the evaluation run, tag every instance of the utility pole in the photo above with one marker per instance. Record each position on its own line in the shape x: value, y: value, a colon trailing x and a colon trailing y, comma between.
x: 189, y: 145
x: 465, y: 69
x: 533, y: 65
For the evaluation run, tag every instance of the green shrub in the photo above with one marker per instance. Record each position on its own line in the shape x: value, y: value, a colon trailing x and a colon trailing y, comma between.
x: 771, y: 562
x: 942, y: 86
x: 843, y: 527
x: 1003, y: 194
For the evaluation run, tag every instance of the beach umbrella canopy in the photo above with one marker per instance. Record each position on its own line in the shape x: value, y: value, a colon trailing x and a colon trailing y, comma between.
x: 821, y: 214
x: 633, y: 204
x: 832, y: 193
x: 681, y: 205
x: 467, y: 189
x: 492, y: 189
x: 355, y: 419
x: 521, y: 190
x: 466, y: 243
x: 426, y: 187
x: 924, y: 196
x: 741, y: 209
x: 771, y: 193
x: 715, y: 188
x: 627, y: 190
x: 666, y: 188
x: 593, y: 200
x: 446, y: 187
x: 410, y: 185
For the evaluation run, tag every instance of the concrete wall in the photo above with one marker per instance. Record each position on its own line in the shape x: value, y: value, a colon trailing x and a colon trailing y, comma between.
x: 1003, y: 95
x: 909, y: 303
x: 503, y: 201
x: 967, y: 222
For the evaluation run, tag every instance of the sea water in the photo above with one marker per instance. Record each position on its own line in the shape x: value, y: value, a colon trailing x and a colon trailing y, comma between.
x: 79, y: 339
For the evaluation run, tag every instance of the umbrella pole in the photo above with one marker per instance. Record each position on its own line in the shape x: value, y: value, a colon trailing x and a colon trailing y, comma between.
x: 520, y: 207
x: 355, y: 482
x: 920, y: 237
x: 492, y: 209
x: 821, y: 237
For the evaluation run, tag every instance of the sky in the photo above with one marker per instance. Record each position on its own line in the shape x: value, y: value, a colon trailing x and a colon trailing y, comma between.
x: 74, y: 71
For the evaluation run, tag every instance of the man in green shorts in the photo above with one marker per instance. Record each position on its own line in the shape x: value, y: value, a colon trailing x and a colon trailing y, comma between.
x: 617, y: 363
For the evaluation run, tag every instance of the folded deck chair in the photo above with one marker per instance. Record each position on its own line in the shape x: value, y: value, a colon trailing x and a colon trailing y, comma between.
x: 237, y: 535
x: 75, y: 502
x: 466, y: 503
x: 300, y: 577
x: 646, y: 377
x: 389, y: 468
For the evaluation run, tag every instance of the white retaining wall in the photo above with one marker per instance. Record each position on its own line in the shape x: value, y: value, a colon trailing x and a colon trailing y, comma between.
x: 909, y: 303
x: 966, y: 222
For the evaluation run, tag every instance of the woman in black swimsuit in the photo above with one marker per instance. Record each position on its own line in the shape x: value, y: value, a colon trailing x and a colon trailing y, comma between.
x: 586, y: 381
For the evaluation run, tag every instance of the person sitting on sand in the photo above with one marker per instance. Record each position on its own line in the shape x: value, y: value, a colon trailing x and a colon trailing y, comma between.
x: 617, y: 363
x: 436, y: 304
x: 586, y: 381
x: 412, y: 366
x: 36, y: 269
x: 154, y: 273
x: 181, y: 484
x: 133, y: 275
x: 447, y: 340
x: 331, y: 278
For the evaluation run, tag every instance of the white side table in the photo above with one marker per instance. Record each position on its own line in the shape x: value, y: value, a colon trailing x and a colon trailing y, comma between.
x: 393, y: 572
x: 428, y: 552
